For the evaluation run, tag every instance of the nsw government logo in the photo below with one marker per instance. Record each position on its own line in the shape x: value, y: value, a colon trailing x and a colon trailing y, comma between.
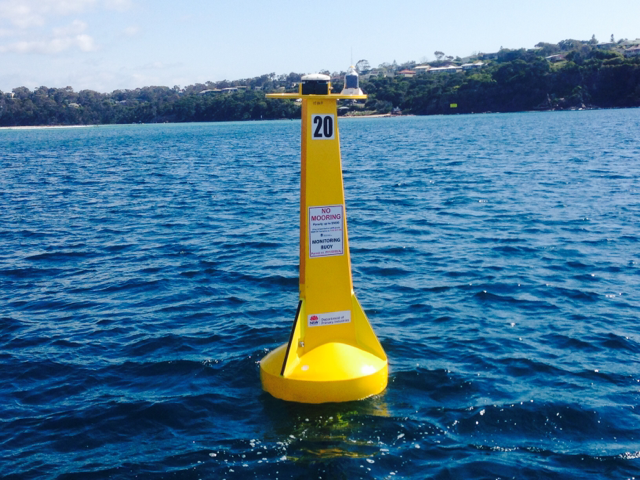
x: 329, y: 318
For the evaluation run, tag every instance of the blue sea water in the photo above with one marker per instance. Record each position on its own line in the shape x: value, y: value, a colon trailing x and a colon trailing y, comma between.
x: 145, y: 270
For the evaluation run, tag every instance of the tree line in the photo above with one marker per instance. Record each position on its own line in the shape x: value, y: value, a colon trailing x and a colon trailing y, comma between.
x: 580, y: 74
x: 584, y: 76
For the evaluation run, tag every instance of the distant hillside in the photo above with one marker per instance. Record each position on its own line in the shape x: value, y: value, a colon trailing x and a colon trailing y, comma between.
x: 569, y: 75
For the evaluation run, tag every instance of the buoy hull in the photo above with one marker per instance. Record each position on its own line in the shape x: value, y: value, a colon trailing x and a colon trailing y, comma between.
x: 347, y: 374
x: 333, y: 354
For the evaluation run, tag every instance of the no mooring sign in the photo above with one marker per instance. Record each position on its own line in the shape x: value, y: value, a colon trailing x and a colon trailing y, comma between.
x: 326, y: 231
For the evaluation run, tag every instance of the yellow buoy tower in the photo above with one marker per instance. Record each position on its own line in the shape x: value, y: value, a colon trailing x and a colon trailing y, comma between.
x: 333, y: 354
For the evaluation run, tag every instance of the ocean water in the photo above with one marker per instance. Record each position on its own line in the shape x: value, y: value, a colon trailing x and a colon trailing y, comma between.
x: 146, y: 269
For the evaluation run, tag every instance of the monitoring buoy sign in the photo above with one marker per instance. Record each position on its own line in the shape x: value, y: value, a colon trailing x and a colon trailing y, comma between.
x: 322, y: 127
x: 326, y: 231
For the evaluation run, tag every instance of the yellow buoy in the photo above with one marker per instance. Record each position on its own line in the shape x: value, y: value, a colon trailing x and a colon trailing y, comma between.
x: 333, y: 354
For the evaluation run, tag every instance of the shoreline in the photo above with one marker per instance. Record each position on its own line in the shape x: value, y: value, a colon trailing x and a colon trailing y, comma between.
x: 38, y: 127
x: 383, y: 115
x: 42, y: 127
x: 377, y: 115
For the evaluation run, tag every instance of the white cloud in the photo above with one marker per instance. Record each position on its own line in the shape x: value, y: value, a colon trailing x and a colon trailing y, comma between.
x: 84, y: 43
x: 28, y: 19
x: 53, y: 45
x: 20, y: 15
x: 131, y: 31
x: 63, y: 38
x: 33, y: 13
x: 118, y: 5
x: 64, y: 7
x: 160, y: 66
x: 76, y: 28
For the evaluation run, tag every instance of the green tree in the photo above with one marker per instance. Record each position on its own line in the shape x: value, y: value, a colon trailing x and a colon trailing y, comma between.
x: 362, y: 66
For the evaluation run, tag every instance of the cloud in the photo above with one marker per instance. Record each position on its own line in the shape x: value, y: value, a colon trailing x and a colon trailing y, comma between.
x: 84, y: 43
x: 63, y: 38
x: 160, y: 66
x: 33, y: 13
x: 20, y: 15
x: 131, y: 31
x: 64, y: 7
x: 28, y: 19
x: 53, y: 45
x: 118, y: 5
x: 76, y: 28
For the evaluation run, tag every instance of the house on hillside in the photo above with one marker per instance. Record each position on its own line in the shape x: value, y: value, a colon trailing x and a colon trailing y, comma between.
x: 555, y: 58
x: 211, y: 91
x: 632, y: 52
x: 422, y: 69
x: 630, y: 43
x: 407, y: 73
x: 449, y: 69
x: 216, y: 91
x: 472, y: 66
x: 376, y: 72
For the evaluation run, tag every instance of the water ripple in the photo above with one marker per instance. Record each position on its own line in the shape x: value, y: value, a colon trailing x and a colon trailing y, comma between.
x: 146, y: 269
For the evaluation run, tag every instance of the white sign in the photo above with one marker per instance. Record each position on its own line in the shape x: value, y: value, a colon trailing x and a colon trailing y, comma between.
x: 326, y: 232
x: 332, y: 318
x: 322, y: 127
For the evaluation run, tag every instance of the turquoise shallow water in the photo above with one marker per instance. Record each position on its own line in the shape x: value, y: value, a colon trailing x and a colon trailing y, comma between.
x: 145, y: 270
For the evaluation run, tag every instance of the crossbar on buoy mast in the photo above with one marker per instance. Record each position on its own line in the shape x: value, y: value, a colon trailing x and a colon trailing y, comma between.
x: 333, y: 354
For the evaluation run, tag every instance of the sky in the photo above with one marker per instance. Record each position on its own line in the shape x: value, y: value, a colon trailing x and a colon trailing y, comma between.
x: 106, y: 45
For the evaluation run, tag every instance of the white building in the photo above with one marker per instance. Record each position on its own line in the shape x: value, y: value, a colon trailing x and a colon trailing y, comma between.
x: 472, y: 66
x: 449, y: 69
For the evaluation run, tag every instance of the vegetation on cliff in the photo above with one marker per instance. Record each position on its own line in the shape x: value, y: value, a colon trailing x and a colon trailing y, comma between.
x: 570, y: 74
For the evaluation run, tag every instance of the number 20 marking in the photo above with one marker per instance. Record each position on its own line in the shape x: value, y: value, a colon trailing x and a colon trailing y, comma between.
x: 322, y: 127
